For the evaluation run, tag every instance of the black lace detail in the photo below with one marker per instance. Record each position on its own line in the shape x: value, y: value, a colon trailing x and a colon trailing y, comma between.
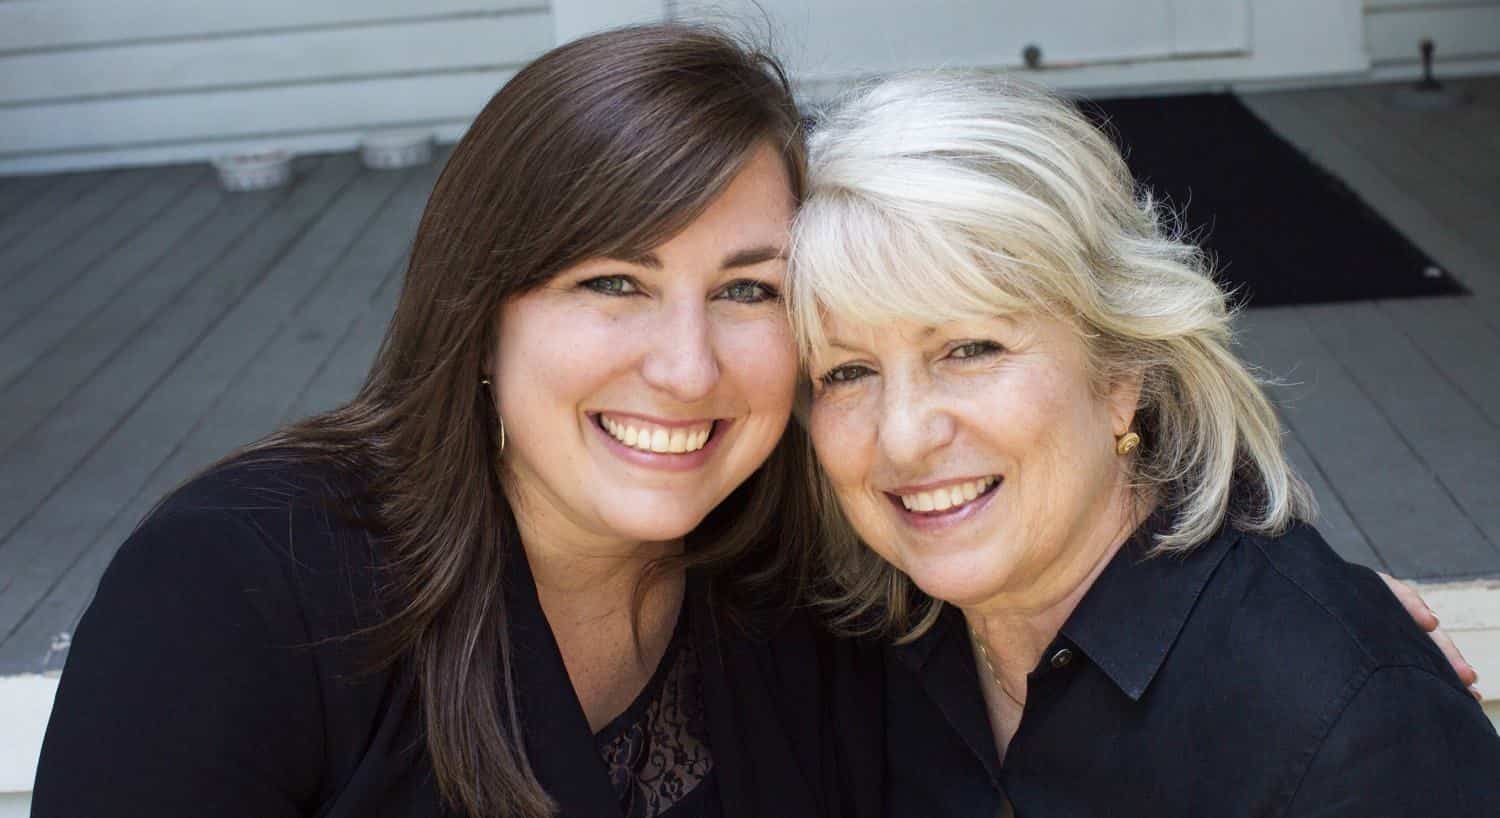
x: 656, y: 750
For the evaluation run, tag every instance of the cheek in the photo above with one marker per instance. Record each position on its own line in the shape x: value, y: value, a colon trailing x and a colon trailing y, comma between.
x: 538, y: 364
x: 760, y: 357
x: 1062, y: 440
x: 842, y: 438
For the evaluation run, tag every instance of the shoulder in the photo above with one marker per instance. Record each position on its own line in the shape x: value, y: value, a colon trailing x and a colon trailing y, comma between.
x: 1342, y: 607
x: 271, y: 527
x: 1294, y: 634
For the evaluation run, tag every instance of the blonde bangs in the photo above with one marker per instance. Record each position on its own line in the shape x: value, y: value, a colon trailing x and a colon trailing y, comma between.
x: 855, y: 260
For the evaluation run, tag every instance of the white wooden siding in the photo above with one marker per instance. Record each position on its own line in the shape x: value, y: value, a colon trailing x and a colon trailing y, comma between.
x: 837, y: 39
x: 1466, y: 32
x: 87, y: 84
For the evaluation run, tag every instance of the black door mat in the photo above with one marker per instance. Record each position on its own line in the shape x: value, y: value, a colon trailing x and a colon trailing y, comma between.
x: 1281, y: 229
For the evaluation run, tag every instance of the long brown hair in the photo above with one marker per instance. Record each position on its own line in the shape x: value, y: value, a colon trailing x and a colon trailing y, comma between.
x: 608, y: 145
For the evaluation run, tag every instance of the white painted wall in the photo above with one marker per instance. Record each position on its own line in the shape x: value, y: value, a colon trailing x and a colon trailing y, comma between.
x: 87, y: 83
x: 25, y: 704
x: 824, y: 40
x: 1466, y: 33
x: 1093, y: 45
x: 572, y: 19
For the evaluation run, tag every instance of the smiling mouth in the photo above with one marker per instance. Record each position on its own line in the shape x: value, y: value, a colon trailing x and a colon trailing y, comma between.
x: 644, y: 436
x: 947, y: 499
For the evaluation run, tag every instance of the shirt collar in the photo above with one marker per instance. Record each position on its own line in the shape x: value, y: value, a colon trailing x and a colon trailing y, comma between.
x: 1128, y: 621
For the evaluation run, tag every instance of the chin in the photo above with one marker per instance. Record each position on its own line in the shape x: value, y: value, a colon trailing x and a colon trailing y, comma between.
x: 653, y: 522
x: 958, y: 579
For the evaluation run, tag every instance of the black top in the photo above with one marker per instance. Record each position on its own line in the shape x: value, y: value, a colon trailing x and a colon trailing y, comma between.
x: 1255, y: 677
x: 213, y: 675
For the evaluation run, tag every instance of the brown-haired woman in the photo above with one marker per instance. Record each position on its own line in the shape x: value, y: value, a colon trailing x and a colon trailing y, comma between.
x: 535, y: 567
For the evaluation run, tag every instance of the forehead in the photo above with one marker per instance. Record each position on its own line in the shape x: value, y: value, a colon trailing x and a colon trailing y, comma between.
x: 760, y: 193
x: 850, y: 332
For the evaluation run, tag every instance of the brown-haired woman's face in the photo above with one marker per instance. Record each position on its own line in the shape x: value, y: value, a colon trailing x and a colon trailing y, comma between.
x: 638, y: 393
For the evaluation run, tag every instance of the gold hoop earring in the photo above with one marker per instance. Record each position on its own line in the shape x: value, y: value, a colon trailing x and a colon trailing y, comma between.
x: 1126, y: 443
x: 485, y: 381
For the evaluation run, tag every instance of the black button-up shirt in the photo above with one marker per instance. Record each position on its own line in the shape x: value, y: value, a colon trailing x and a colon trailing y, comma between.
x: 1254, y: 677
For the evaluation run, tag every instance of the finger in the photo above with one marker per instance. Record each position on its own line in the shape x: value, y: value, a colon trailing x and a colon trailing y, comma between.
x: 1466, y: 672
x: 1416, y: 607
x: 1474, y: 691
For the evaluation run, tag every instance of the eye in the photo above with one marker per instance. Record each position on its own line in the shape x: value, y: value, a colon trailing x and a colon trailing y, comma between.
x: 746, y: 291
x: 848, y: 373
x: 974, y: 349
x: 611, y: 285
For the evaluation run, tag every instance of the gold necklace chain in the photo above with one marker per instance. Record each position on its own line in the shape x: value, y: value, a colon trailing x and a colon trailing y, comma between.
x: 990, y: 666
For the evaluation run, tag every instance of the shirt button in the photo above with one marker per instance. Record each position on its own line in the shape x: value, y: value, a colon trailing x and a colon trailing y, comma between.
x: 1062, y: 658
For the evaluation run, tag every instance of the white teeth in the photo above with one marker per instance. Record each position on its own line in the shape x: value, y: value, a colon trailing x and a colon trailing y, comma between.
x: 648, y: 438
x: 948, y: 497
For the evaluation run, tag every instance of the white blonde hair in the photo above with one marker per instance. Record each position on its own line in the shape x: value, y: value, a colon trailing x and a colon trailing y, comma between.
x: 938, y: 197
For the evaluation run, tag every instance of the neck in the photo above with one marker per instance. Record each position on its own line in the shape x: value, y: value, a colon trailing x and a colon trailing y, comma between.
x: 611, y: 631
x: 594, y: 587
x: 1017, y: 623
x: 1012, y: 630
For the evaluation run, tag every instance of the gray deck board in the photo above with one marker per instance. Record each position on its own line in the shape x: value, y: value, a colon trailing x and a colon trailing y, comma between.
x: 53, y: 197
x: 286, y: 334
x: 1334, y: 520
x: 196, y: 414
x: 117, y: 425
x: 123, y: 452
x: 17, y: 192
x: 1458, y: 342
x: 142, y: 340
x: 23, y: 260
x: 99, y: 285
x: 1450, y: 436
x: 32, y: 396
x: 1408, y: 516
x: 344, y: 372
x: 44, y: 305
x: 265, y: 390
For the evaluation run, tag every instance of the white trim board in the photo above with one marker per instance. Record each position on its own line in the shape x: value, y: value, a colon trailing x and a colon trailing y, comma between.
x: 215, y: 115
x: 1470, y: 613
x: 1458, y: 32
x: 271, y: 59
x: 40, y: 25
x: 25, y: 705
x: 335, y: 141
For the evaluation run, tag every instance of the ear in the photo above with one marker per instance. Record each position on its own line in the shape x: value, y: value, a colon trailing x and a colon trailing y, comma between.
x: 1124, y: 398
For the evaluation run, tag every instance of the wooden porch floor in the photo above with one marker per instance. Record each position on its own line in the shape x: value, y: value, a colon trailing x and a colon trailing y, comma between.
x: 149, y: 323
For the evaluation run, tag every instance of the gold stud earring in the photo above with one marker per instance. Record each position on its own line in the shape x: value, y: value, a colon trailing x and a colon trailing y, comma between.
x: 1126, y: 443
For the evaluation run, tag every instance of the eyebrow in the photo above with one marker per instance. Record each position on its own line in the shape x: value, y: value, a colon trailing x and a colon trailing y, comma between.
x: 748, y: 257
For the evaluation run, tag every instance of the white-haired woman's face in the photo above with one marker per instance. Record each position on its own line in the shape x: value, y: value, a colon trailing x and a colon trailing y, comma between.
x: 975, y: 457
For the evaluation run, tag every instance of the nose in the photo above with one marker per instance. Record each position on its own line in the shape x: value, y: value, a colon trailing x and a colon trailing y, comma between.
x: 680, y: 358
x: 913, y: 422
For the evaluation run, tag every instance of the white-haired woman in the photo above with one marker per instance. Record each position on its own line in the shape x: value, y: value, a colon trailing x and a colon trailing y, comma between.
x: 1058, y: 481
